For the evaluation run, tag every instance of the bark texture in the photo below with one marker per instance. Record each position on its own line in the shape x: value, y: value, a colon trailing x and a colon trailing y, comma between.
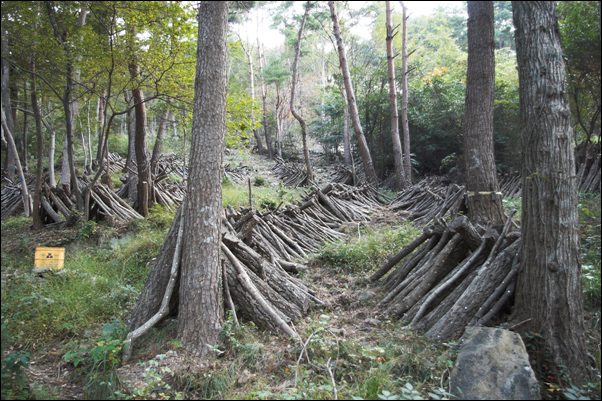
x: 484, y: 199
x: 357, y: 126
x: 549, y: 281
x: 200, y: 308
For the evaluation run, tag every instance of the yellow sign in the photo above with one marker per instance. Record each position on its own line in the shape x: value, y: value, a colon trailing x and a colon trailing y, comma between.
x: 50, y: 257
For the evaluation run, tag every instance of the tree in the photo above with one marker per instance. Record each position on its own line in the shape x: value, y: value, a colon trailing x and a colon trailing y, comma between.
x: 363, y: 145
x: 407, y: 158
x: 400, y: 175
x: 200, y: 309
x: 484, y: 200
x: 310, y: 174
x: 548, y: 293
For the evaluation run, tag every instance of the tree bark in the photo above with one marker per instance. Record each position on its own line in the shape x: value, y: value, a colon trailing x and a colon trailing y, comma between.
x: 548, y: 291
x: 268, y: 140
x: 37, y: 222
x: 201, y: 307
x: 400, y: 176
x: 310, y: 174
x: 484, y: 200
x: 10, y: 167
x: 407, y: 158
x: 357, y: 126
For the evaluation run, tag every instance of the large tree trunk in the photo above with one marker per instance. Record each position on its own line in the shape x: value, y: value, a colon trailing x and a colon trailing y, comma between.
x: 200, y: 309
x: 484, y: 200
x: 357, y: 126
x: 310, y: 174
x: 548, y: 291
x: 400, y: 176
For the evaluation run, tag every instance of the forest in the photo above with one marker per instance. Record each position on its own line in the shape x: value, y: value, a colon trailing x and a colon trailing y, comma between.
x: 319, y: 217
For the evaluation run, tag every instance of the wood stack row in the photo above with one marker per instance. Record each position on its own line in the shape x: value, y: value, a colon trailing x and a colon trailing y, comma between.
x: 450, y: 277
x: 589, y: 175
x: 291, y: 174
x: 260, y: 251
x: 429, y: 201
x: 511, y: 185
x: 12, y: 199
x: 237, y: 175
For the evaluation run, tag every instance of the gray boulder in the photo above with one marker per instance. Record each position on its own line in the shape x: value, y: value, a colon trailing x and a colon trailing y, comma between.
x: 493, y: 364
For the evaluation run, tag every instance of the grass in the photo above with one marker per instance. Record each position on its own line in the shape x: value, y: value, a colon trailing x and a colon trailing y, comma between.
x: 368, y: 250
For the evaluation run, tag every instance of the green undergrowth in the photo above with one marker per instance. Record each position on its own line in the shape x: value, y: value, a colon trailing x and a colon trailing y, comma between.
x: 263, y: 195
x: 368, y: 248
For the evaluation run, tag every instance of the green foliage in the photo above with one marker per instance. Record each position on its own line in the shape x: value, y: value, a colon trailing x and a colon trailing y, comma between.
x: 589, y: 227
x: 260, y: 181
x: 368, y: 251
x: 14, y: 363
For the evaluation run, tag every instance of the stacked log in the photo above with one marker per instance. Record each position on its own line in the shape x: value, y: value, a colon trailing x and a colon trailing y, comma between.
x: 291, y: 174
x: 58, y: 206
x: 429, y: 201
x: 451, y: 276
x: 261, y: 252
x: 511, y: 185
x: 12, y: 199
x: 589, y: 175
x: 237, y: 175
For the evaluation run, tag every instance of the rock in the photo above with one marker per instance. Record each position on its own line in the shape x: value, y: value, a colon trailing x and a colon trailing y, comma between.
x: 371, y: 322
x: 364, y: 296
x: 493, y: 364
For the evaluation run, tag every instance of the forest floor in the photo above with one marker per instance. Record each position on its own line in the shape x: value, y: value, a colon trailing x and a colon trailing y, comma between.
x: 368, y: 355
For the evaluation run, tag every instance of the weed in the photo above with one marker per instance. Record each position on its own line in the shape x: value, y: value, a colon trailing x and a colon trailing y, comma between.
x: 369, y: 253
x: 14, y: 378
x: 260, y: 181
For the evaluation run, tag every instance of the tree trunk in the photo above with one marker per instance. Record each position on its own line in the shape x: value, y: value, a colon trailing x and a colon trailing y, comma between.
x: 400, y: 176
x: 548, y: 291
x: 407, y: 158
x: 310, y: 174
x: 10, y: 167
x: 268, y: 140
x: 37, y: 222
x: 357, y: 126
x: 11, y: 144
x: 159, y: 141
x: 484, y: 200
x: 201, y: 310
x: 249, y: 54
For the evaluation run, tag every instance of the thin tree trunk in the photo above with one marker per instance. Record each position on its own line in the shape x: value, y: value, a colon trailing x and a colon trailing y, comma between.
x: 407, y: 158
x: 310, y: 174
x: 159, y: 141
x: 8, y: 137
x: 357, y: 126
x: 548, y: 291
x: 25, y: 127
x: 37, y: 222
x: 10, y: 167
x: 249, y: 54
x: 400, y: 177
x: 268, y: 140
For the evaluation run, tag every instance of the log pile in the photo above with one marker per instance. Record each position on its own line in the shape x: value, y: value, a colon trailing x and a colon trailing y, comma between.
x: 58, y: 206
x: 589, y: 175
x: 511, y: 185
x: 291, y: 174
x: 260, y: 252
x: 429, y: 201
x: 237, y: 175
x: 451, y: 276
x: 12, y: 200
x: 588, y: 179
